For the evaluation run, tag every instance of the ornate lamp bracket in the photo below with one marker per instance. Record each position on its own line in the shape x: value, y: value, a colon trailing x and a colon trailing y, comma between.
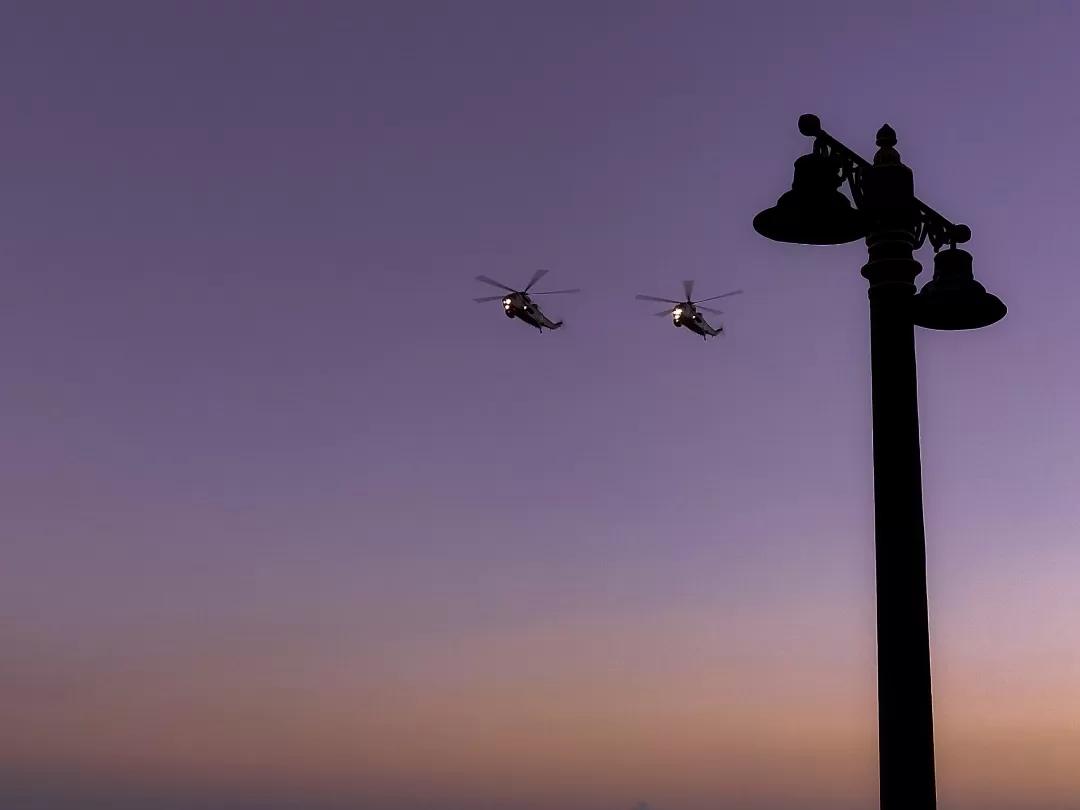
x: 931, y: 226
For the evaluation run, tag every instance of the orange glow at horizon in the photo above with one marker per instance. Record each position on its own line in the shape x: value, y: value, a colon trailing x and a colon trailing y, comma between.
x: 552, y: 712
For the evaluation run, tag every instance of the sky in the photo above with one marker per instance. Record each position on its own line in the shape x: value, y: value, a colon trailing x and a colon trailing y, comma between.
x: 288, y: 520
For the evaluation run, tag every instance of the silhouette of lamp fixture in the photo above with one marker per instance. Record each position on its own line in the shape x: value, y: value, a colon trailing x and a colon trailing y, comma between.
x: 816, y: 212
x: 894, y: 224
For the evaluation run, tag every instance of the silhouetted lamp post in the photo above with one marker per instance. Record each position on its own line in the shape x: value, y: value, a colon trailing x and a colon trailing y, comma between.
x: 894, y: 224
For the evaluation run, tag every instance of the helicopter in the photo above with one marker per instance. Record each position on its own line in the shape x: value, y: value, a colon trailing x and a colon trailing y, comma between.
x: 519, y: 303
x: 688, y: 313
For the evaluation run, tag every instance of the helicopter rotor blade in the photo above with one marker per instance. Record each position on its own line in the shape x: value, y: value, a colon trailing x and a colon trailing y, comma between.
x: 495, y: 283
x: 539, y: 274
x: 654, y: 298
x: 667, y: 311
x: 688, y: 287
x: 556, y: 292
x: 710, y: 309
x: 488, y: 298
x: 725, y: 295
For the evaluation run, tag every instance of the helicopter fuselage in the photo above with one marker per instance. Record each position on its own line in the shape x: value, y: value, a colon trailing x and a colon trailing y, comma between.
x: 520, y: 305
x: 687, y: 316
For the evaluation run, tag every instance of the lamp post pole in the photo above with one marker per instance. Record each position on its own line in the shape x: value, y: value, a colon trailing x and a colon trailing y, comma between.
x: 894, y: 224
x: 905, y: 712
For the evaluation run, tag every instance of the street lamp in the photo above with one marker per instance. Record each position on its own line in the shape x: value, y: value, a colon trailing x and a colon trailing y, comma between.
x: 894, y: 224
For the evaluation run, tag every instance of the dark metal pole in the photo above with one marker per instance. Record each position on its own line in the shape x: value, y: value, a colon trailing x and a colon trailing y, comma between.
x: 905, y: 710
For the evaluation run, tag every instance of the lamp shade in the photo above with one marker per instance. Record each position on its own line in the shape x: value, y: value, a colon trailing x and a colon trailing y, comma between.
x: 953, y: 300
x: 815, y: 211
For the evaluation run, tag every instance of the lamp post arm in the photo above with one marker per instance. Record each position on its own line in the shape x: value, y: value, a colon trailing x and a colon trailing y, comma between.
x: 932, y: 225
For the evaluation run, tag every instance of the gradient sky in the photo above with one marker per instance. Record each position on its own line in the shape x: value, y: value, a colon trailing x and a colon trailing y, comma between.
x: 284, y: 514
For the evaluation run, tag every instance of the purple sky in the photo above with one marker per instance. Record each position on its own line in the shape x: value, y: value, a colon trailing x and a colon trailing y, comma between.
x: 285, y: 514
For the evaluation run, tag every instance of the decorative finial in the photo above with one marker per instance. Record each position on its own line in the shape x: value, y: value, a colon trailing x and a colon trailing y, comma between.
x: 886, y: 136
x: 810, y: 125
x: 886, y: 141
